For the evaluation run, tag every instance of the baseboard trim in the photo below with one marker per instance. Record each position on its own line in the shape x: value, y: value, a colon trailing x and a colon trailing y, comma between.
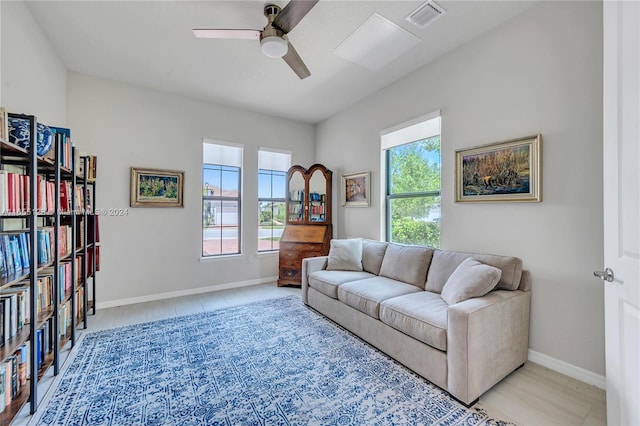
x: 180, y: 293
x: 567, y: 369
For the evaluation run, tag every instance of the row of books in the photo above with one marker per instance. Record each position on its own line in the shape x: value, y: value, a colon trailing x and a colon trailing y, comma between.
x: 15, y: 195
x: 63, y: 138
x: 14, y: 248
x: 295, y: 208
x: 15, y: 311
x: 67, y: 159
x: 297, y: 195
x: 14, y: 300
x: 316, y: 210
x: 14, y: 374
x: 14, y: 371
x: 66, y: 197
x: 92, y: 161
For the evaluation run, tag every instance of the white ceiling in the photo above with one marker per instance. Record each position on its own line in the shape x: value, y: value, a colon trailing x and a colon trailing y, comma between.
x: 150, y: 43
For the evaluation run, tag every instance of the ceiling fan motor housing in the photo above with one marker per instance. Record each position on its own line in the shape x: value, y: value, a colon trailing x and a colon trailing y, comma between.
x: 272, y: 40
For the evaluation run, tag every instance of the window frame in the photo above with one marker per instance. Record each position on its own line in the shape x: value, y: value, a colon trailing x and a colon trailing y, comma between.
x: 208, y: 198
x: 391, y: 138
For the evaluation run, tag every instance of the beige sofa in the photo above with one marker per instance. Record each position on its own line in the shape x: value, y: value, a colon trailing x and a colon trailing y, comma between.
x: 396, y: 298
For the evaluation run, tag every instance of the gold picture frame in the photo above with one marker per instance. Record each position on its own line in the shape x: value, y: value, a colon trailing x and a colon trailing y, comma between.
x: 4, y: 124
x: 156, y: 187
x: 503, y: 171
x: 356, y: 189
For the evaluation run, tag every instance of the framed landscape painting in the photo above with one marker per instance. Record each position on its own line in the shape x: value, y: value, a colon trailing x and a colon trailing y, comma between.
x: 504, y: 171
x: 156, y: 187
x: 355, y: 189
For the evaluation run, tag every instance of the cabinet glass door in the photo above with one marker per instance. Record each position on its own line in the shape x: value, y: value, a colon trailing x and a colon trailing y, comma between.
x: 317, y: 197
x: 296, y: 201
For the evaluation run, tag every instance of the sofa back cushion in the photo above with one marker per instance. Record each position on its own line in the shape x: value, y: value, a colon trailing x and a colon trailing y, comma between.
x: 345, y: 255
x: 445, y: 262
x: 372, y: 255
x: 408, y: 264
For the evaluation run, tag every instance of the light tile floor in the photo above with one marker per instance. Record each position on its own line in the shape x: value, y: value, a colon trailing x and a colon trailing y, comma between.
x: 532, y: 395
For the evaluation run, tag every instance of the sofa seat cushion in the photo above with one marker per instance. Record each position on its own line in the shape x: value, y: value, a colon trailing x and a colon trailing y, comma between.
x: 422, y: 316
x: 327, y: 282
x: 366, y: 295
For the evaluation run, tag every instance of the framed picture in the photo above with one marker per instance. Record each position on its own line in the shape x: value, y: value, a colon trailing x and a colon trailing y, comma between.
x: 356, y: 188
x: 503, y: 171
x: 156, y: 187
x: 4, y: 125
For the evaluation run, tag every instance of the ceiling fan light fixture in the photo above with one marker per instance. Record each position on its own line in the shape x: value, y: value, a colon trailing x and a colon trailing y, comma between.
x: 274, y: 46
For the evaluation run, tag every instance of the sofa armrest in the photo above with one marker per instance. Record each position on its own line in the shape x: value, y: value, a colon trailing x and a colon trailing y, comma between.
x: 487, y: 338
x: 310, y: 265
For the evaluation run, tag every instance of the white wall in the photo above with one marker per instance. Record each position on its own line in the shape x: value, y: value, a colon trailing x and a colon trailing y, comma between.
x: 539, y: 73
x: 33, y: 76
x: 157, y: 250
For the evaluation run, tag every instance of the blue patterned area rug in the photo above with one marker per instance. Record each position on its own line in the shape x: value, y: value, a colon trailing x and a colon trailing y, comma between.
x: 274, y: 362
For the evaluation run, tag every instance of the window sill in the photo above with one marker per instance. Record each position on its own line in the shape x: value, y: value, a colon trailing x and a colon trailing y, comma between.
x: 220, y: 258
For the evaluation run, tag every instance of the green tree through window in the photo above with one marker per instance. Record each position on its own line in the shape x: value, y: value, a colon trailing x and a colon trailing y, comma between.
x: 413, y: 192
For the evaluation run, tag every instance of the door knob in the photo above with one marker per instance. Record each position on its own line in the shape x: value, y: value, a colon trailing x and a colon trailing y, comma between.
x: 606, y: 275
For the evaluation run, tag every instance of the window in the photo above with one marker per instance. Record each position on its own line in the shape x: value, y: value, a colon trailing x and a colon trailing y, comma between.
x: 221, y: 199
x: 272, y: 176
x: 411, y: 156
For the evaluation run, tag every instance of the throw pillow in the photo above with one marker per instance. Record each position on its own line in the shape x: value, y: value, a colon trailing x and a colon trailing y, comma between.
x: 470, y: 279
x: 345, y: 255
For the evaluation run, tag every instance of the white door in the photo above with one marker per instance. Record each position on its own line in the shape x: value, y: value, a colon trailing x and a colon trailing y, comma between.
x: 621, y: 209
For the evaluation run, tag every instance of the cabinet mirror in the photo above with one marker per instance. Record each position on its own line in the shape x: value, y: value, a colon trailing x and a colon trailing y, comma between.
x: 296, y: 197
x: 317, y: 196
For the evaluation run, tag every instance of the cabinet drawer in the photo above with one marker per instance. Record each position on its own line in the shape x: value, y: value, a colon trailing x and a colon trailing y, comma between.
x: 291, y: 263
x: 310, y: 247
x: 290, y: 254
x: 290, y: 273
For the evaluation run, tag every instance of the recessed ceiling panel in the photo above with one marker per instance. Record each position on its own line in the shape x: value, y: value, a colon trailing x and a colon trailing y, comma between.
x: 376, y: 43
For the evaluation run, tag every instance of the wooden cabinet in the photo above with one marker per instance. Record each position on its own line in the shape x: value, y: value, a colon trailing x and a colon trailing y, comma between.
x: 308, y: 230
x: 296, y: 243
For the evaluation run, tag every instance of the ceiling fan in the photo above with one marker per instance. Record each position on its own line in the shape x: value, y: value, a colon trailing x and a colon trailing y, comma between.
x: 274, y: 42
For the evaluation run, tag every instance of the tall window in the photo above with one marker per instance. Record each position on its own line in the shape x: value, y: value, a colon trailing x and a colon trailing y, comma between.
x: 272, y: 175
x: 221, y: 199
x: 412, y: 203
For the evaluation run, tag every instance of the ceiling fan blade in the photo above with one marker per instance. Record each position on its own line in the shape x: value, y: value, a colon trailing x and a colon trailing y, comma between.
x: 232, y: 34
x: 295, y: 62
x: 293, y: 13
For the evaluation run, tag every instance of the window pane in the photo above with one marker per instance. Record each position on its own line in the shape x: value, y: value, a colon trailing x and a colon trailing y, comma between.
x: 415, y: 167
x: 271, y: 225
x: 279, y: 185
x: 220, y: 231
x: 415, y: 220
x: 211, y: 178
x: 230, y: 181
x: 264, y: 184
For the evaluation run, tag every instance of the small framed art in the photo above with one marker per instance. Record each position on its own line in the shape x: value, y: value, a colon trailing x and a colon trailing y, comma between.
x: 4, y: 124
x: 156, y: 187
x: 503, y: 171
x: 356, y: 189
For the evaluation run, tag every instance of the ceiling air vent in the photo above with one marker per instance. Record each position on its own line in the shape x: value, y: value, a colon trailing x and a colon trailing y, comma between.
x: 425, y: 14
